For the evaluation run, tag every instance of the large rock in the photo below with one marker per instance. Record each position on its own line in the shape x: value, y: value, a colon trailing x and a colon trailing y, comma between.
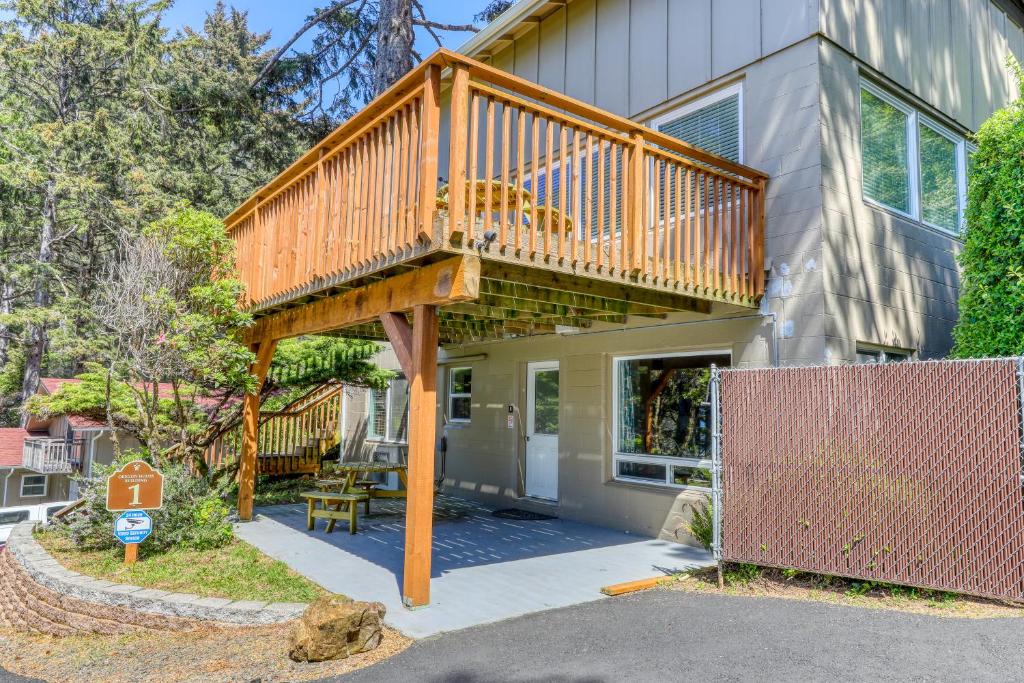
x: 335, y: 627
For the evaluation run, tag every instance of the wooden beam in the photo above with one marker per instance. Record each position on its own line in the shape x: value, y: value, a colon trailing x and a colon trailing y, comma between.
x: 399, y: 332
x: 525, y: 298
x: 454, y: 279
x: 568, y: 282
x: 264, y: 351
x: 419, y: 510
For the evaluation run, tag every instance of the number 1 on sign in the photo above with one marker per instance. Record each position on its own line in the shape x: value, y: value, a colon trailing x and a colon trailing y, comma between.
x: 134, y: 488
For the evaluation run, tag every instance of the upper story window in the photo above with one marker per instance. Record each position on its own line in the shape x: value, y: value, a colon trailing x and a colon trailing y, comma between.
x: 713, y: 123
x: 388, y: 418
x: 460, y: 394
x: 911, y: 164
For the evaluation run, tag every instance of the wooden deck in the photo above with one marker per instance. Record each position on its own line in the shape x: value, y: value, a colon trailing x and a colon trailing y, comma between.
x: 466, y: 204
x: 576, y: 215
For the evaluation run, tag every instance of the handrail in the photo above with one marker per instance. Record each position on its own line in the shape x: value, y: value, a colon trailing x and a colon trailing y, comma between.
x: 444, y: 57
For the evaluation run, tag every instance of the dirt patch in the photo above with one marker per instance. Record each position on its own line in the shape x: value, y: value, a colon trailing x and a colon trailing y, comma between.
x: 209, y: 654
x: 746, y: 580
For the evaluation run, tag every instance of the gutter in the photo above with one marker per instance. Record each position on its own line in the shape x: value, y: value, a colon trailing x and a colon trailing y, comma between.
x: 506, y: 20
x: 10, y: 471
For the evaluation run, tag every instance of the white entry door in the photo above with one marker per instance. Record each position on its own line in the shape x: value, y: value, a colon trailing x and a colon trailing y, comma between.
x: 542, y: 430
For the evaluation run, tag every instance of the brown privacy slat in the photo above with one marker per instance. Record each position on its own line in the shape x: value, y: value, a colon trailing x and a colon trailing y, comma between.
x: 904, y: 473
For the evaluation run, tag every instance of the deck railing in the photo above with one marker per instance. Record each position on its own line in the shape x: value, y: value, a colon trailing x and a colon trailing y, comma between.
x: 533, y: 177
x: 50, y: 456
x: 289, y: 440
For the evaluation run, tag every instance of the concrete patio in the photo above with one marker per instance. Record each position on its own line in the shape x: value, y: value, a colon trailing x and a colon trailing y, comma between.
x: 485, y: 568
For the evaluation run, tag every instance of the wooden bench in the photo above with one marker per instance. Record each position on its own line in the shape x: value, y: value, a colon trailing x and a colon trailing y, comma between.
x: 328, y: 499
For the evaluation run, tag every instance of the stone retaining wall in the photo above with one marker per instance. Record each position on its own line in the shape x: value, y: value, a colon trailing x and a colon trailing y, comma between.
x: 38, y: 594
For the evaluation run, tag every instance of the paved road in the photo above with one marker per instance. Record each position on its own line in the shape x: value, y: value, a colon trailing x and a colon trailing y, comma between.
x: 674, y: 636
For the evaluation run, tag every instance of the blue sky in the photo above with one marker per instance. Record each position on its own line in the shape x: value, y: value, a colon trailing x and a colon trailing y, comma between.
x: 284, y: 18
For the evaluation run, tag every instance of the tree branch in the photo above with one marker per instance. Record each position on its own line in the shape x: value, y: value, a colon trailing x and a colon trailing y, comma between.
x: 298, y: 34
x: 445, y: 27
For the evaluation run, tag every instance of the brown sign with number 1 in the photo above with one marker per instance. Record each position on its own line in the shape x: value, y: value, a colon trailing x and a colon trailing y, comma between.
x: 136, y: 486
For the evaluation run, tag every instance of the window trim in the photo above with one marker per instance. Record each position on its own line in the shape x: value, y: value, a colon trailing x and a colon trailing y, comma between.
x: 46, y: 486
x: 453, y: 395
x: 916, y: 118
x: 666, y: 460
x: 707, y: 100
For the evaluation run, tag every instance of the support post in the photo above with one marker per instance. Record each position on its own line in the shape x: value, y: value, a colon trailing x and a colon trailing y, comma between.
x: 716, y: 473
x: 419, y: 510
x: 264, y: 351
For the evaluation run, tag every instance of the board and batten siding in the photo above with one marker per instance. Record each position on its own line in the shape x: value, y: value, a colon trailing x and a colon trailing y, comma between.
x: 949, y: 53
x: 627, y: 56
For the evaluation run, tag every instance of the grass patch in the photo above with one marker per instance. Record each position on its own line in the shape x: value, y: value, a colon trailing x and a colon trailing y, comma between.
x: 236, y: 571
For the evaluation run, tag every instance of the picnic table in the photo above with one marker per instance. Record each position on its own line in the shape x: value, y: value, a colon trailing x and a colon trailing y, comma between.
x: 349, y: 473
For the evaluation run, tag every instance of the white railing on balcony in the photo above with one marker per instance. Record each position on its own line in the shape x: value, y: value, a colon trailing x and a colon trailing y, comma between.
x: 49, y: 456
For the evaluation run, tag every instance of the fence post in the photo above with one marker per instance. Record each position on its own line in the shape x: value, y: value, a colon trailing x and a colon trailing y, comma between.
x: 1020, y: 398
x: 716, y: 472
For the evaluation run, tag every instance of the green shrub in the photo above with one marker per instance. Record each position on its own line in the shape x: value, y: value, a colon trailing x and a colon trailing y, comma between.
x: 992, y: 291
x: 702, y: 522
x: 193, y: 514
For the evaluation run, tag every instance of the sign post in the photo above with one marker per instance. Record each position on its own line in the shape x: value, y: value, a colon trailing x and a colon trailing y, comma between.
x: 133, y: 489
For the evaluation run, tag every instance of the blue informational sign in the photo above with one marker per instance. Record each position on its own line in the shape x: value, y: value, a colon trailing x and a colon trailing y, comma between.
x: 133, y: 526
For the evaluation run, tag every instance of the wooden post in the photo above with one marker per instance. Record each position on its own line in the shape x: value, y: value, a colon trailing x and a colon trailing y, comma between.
x: 250, y: 429
x: 430, y: 125
x: 459, y: 130
x: 419, y: 510
x: 131, y: 553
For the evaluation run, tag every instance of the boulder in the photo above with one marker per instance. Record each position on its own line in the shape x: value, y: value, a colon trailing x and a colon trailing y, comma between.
x: 334, y: 627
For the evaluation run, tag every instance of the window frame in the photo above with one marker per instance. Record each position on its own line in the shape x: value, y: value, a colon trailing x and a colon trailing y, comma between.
x: 883, y: 354
x: 915, y: 119
x: 387, y: 437
x: 452, y: 395
x: 706, y: 100
x: 46, y: 486
x: 663, y: 460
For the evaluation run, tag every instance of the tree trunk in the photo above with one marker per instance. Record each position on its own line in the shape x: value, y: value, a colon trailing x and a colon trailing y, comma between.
x: 6, y: 308
x: 37, y: 332
x: 394, y: 43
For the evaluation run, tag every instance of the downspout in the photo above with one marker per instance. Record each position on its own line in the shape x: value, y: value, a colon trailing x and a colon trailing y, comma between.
x: 10, y: 471
x: 92, y: 451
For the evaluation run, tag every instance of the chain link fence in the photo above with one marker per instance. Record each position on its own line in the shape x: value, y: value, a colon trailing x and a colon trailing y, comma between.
x: 907, y: 473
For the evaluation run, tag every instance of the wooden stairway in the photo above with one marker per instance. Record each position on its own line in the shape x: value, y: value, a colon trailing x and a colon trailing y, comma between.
x: 292, y: 440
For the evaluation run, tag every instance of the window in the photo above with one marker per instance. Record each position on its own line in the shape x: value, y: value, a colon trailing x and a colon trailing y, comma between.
x: 388, y: 418
x: 911, y: 164
x: 882, y: 355
x: 14, y: 516
x: 662, y: 429
x: 713, y: 123
x: 460, y: 393
x: 33, y: 485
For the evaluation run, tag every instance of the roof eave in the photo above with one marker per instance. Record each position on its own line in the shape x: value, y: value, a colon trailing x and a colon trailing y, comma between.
x: 500, y: 26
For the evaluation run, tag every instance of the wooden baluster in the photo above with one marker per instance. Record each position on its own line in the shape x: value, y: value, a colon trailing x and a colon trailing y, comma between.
x: 519, y: 215
x: 457, y: 150
x: 489, y: 167
x: 506, y: 143
x: 563, y: 180
x: 678, y: 240
x: 414, y: 136
x: 734, y: 239
x: 651, y: 224
x: 549, y: 187
x: 534, y: 189
x: 374, y: 199
x: 361, y: 184
x: 406, y: 175
x: 613, y: 191
x: 474, y: 154
x: 666, y: 212
x: 399, y: 184
x: 577, y: 217
x: 758, y: 264
x: 749, y: 216
x: 588, y: 234
x: 708, y: 217
x: 431, y: 125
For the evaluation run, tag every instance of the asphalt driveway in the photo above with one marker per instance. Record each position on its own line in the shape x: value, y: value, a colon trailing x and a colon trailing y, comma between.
x: 674, y: 636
